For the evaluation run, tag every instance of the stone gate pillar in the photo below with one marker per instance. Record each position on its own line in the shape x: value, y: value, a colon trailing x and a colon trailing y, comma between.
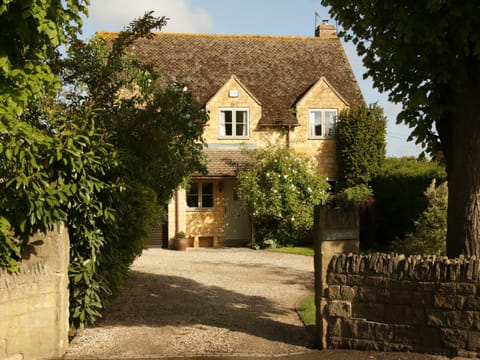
x: 336, y: 231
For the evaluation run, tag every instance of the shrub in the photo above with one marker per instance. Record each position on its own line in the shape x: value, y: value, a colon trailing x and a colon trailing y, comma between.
x: 354, y: 195
x: 360, y: 144
x: 399, y: 189
x: 280, y: 192
x: 430, y: 233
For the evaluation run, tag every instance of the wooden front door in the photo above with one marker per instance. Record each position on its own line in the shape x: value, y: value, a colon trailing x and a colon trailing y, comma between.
x: 237, y: 224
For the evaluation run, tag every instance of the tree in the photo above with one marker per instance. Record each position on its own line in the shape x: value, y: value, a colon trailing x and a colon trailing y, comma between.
x: 155, y: 129
x: 280, y: 193
x: 360, y: 144
x: 29, y: 37
x: 427, y: 56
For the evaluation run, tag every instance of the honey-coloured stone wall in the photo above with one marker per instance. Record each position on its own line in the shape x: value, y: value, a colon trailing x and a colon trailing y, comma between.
x: 322, y: 151
x: 233, y: 94
x: 34, y: 300
x: 207, y: 223
x: 196, y: 223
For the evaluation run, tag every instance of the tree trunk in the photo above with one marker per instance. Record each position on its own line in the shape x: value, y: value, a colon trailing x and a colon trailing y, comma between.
x: 463, y: 167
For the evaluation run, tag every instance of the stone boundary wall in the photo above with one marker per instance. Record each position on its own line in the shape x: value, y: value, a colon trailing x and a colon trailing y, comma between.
x: 34, y: 300
x: 397, y: 303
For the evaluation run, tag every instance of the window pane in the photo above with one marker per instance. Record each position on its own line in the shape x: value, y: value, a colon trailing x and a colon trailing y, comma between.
x: 330, y: 119
x: 241, y: 123
x: 226, y: 123
x: 207, y: 194
x: 192, y: 195
x: 316, y: 123
x: 207, y: 188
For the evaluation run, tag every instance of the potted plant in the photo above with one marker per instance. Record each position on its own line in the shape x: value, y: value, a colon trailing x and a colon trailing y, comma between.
x: 180, y: 242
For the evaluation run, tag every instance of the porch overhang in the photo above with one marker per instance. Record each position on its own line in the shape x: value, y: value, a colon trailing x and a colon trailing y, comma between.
x: 206, y: 177
x: 223, y: 164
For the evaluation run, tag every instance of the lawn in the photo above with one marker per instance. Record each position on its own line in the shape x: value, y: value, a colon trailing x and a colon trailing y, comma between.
x: 297, y: 250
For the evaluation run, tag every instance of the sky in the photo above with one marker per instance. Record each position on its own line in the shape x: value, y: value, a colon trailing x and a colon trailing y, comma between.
x: 258, y: 17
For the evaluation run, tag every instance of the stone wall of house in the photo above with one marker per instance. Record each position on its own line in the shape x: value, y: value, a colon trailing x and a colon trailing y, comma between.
x: 320, y: 96
x: 34, y: 301
x: 242, y: 99
x: 206, y: 228
x: 397, y: 303
x: 202, y: 227
x: 176, y: 215
x: 323, y: 151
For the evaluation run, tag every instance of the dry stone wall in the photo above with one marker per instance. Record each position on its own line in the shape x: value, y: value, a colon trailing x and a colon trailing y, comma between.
x: 34, y: 301
x: 397, y: 303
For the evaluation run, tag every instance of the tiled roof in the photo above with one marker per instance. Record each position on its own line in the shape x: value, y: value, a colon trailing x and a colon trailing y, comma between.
x: 277, y: 70
x: 224, y: 163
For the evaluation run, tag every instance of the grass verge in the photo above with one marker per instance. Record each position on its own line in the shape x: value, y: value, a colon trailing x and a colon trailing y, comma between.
x: 306, y: 309
x: 297, y: 250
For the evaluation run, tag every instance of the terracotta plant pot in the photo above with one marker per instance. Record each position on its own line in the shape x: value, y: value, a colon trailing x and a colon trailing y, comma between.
x: 180, y: 244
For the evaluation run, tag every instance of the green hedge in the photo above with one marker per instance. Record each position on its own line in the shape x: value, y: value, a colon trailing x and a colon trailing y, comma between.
x: 399, y: 192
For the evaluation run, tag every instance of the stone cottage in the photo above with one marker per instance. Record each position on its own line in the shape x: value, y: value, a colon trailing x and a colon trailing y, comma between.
x: 258, y: 90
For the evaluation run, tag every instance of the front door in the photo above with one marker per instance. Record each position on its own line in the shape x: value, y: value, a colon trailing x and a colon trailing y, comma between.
x: 237, y: 225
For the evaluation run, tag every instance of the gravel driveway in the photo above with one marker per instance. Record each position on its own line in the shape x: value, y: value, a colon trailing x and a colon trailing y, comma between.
x: 204, y: 302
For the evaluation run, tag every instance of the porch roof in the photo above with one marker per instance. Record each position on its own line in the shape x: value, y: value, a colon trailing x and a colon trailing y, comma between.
x: 224, y: 163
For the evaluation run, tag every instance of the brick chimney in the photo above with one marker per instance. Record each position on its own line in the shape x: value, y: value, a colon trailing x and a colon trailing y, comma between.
x: 325, y: 30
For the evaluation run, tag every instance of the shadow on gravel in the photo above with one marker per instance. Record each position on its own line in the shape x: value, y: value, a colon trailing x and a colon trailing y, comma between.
x: 157, y: 300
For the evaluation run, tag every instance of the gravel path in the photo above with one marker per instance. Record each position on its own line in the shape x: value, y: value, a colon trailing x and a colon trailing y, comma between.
x: 203, y: 302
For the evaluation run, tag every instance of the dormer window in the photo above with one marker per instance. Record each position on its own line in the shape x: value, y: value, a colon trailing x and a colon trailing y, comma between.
x: 234, y: 123
x: 321, y: 124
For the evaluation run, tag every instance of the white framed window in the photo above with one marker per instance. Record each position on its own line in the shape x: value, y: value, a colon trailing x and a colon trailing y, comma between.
x: 201, y: 195
x: 233, y: 123
x: 321, y: 123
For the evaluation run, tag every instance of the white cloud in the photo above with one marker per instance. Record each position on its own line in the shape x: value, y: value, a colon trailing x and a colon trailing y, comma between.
x: 114, y: 15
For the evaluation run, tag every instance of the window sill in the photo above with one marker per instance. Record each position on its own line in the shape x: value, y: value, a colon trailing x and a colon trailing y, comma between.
x: 233, y: 138
x: 190, y: 209
x: 321, y: 138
